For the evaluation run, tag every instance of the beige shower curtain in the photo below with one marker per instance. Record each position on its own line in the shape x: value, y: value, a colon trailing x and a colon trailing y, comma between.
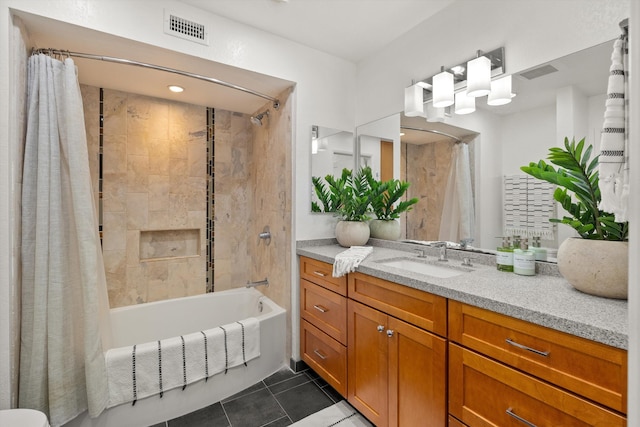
x: 64, y: 299
x: 458, y: 214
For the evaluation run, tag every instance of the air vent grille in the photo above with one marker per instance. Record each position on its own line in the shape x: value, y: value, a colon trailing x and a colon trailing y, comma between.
x: 539, y: 72
x: 185, y: 28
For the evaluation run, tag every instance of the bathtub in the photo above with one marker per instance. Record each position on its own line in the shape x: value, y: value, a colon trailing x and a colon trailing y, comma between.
x: 170, y: 318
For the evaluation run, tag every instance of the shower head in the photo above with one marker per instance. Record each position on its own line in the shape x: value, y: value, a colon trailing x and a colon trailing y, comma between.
x: 257, y: 119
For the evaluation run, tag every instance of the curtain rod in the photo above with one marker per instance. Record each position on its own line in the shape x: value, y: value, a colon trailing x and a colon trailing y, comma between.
x: 275, y: 101
x: 432, y: 131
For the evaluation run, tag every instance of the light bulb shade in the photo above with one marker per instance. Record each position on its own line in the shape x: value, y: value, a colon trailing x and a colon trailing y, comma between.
x: 434, y: 114
x: 479, y: 77
x: 500, y: 92
x: 413, y: 101
x: 443, y: 90
x: 465, y: 104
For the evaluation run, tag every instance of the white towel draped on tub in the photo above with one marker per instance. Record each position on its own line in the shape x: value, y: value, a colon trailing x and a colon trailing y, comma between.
x: 143, y: 370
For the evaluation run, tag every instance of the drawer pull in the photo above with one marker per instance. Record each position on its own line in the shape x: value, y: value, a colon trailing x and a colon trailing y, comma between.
x: 524, y: 347
x: 522, y: 420
x: 319, y: 354
x: 389, y: 333
x: 320, y: 308
x: 319, y: 273
x: 380, y: 328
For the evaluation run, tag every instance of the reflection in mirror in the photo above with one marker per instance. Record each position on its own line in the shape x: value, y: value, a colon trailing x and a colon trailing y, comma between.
x: 436, y: 161
x: 562, y: 98
x: 331, y: 151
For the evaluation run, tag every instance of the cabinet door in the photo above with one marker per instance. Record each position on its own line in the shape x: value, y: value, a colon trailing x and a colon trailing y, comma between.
x: 367, y: 369
x: 417, y: 376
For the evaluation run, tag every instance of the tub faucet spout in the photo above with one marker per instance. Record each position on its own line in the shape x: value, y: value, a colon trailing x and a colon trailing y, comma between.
x: 264, y: 282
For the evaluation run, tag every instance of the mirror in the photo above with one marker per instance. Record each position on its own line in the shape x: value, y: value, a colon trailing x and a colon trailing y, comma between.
x: 564, y: 97
x: 331, y: 151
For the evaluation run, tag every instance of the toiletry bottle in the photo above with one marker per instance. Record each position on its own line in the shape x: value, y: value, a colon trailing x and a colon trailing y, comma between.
x: 524, y: 260
x: 539, y: 252
x: 516, y: 242
x: 504, y: 256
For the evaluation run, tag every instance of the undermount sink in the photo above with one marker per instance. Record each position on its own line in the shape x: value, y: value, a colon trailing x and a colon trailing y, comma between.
x: 430, y: 269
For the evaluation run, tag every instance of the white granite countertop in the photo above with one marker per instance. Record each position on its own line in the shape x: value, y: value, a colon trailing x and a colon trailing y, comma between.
x: 544, y: 299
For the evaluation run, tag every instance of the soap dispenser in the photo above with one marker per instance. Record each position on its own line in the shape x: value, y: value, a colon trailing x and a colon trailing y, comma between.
x: 539, y: 252
x: 524, y: 260
x: 504, y: 256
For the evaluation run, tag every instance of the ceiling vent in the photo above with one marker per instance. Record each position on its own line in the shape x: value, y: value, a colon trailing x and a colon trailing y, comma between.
x: 539, y: 72
x: 187, y: 29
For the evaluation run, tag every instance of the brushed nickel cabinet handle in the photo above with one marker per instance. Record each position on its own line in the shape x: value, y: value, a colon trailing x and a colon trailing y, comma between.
x: 522, y: 420
x: 524, y: 347
x: 320, y: 308
x: 389, y: 333
x: 319, y: 273
x: 380, y: 328
x: 319, y: 354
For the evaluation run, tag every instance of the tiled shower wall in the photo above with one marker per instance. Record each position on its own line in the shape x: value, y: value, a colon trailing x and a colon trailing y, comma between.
x: 154, y: 186
x: 427, y: 170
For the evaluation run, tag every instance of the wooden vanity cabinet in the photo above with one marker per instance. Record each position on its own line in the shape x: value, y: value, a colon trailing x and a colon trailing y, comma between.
x: 396, y: 370
x: 504, y: 370
x: 323, y: 327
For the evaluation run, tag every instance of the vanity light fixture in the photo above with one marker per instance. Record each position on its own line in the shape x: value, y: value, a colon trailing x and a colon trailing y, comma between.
x: 479, y: 76
x: 434, y: 114
x: 414, y: 99
x: 176, y: 88
x: 443, y: 89
x: 500, y: 91
x: 465, y: 104
x: 473, y: 76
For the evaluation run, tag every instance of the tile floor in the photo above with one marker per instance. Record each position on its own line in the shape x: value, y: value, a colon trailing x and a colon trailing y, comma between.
x: 279, y: 400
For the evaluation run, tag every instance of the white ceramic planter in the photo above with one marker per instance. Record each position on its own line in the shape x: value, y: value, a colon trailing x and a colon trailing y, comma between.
x: 388, y: 230
x: 352, y: 233
x: 596, y: 267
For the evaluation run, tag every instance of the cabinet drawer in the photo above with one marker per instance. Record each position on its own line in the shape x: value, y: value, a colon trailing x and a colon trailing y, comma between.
x: 326, y: 356
x: 320, y: 273
x: 454, y: 422
x: 324, y: 309
x: 417, y: 307
x: 483, y: 392
x: 593, y: 370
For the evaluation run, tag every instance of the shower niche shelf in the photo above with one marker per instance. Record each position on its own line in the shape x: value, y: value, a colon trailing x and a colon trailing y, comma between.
x: 169, y: 244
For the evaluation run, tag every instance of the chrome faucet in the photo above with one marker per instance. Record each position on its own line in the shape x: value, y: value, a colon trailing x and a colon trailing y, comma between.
x: 264, y: 282
x: 443, y: 250
x: 465, y: 242
x: 421, y: 253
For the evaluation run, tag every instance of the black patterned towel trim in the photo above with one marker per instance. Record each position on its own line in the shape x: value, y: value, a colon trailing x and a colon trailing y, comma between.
x: 133, y: 368
x: 206, y: 358
x: 184, y: 364
x: 226, y: 353
x: 244, y: 359
x: 160, y: 369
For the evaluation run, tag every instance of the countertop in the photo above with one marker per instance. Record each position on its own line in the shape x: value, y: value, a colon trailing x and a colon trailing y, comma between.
x: 544, y: 299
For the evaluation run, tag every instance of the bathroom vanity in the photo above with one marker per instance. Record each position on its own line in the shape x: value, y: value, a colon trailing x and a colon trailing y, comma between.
x: 476, y: 347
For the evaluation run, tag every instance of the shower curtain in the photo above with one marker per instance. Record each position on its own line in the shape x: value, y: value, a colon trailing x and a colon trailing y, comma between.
x: 614, y: 141
x: 458, y: 214
x: 64, y: 299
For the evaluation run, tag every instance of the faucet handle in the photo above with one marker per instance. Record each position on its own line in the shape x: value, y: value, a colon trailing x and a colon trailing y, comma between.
x: 466, y: 261
x: 421, y: 253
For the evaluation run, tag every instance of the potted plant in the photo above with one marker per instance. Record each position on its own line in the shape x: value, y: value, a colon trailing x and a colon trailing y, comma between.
x: 387, y: 207
x: 597, y: 262
x: 348, y: 196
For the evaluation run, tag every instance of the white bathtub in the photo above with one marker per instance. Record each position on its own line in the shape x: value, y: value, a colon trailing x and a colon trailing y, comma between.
x: 165, y: 319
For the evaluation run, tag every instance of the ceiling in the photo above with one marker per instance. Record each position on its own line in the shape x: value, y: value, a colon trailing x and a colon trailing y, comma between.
x: 349, y: 29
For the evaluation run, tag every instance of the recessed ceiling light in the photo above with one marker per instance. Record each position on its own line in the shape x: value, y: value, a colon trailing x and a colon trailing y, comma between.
x: 176, y: 89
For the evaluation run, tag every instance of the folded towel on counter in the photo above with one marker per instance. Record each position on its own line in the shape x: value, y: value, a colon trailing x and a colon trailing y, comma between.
x: 147, y: 369
x: 348, y: 260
